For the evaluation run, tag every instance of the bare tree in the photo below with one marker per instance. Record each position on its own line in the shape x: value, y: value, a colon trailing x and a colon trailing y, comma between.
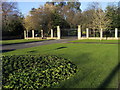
x: 11, y: 19
x: 8, y: 9
x: 95, y: 17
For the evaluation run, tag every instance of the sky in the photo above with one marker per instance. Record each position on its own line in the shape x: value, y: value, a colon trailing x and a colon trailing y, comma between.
x: 25, y: 7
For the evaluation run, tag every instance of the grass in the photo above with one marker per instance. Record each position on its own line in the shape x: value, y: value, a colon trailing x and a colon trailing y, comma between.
x: 17, y: 41
x: 92, y: 40
x: 97, y: 63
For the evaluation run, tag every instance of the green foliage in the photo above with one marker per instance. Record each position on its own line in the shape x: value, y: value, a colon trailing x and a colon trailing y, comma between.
x: 12, y: 19
x: 35, y: 71
x: 112, y: 12
x: 51, y: 15
x: 59, y: 21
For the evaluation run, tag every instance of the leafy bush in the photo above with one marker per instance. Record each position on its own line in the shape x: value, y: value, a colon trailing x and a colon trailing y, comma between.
x: 35, y: 71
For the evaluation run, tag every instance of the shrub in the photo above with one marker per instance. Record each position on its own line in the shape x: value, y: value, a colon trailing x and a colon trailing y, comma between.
x: 35, y: 71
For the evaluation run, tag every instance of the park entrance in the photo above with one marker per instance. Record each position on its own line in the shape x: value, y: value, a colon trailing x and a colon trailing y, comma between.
x: 74, y: 34
x: 69, y: 33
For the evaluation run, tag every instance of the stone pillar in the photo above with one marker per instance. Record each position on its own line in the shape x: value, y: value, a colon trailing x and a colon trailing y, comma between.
x: 51, y: 33
x: 79, y: 32
x: 42, y: 33
x: 116, y: 33
x: 87, y: 33
x: 24, y: 34
x: 32, y: 33
x: 101, y: 33
x: 58, y: 32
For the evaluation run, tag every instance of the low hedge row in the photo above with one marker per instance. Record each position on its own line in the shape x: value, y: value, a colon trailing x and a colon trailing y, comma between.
x: 35, y: 71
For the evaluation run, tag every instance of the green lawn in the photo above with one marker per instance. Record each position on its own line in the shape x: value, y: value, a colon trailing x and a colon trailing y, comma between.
x: 97, y: 63
x: 4, y: 42
x: 92, y: 40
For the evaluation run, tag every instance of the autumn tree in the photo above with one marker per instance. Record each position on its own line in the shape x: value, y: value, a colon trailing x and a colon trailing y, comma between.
x: 40, y: 18
x: 45, y: 17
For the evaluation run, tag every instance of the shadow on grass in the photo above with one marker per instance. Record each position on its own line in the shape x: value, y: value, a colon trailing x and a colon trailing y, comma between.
x: 110, y: 77
x: 60, y: 48
x: 77, y: 78
x: 33, y: 51
x: 7, y: 50
x: 73, y: 82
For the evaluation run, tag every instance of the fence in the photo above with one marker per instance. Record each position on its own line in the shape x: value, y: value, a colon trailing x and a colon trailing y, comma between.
x: 81, y: 34
x: 33, y: 35
x: 101, y: 34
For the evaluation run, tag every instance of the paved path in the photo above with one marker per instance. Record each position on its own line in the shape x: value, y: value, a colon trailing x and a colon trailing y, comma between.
x: 6, y: 48
x: 33, y: 44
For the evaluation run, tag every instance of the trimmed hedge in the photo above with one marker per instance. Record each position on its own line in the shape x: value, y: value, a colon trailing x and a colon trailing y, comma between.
x: 35, y: 71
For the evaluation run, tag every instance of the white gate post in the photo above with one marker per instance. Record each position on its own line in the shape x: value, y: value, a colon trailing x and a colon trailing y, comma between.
x: 24, y: 34
x: 58, y: 32
x: 32, y: 33
x: 79, y: 32
x: 101, y: 33
x: 51, y: 33
x: 116, y: 33
x: 42, y: 33
x: 87, y: 33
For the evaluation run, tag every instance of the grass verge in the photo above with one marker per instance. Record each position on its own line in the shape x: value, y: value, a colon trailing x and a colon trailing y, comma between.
x: 97, y: 41
x: 18, y: 41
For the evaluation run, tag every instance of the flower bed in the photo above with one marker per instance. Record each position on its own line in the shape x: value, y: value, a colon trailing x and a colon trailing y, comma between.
x: 35, y: 71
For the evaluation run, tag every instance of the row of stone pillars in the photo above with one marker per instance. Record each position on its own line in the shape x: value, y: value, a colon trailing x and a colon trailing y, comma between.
x: 87, y: 33
x: 79, y: 33
x: 42, y: 36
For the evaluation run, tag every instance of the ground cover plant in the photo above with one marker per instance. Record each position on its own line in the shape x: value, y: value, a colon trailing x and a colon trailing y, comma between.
x: 17, y: 41
x: 97, y: 64
x: 35, y: 71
